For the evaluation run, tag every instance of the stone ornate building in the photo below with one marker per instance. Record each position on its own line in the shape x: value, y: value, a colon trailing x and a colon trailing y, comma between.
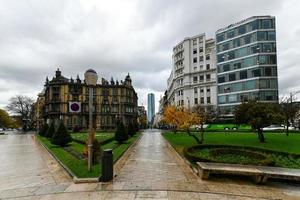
x: 66, y: 100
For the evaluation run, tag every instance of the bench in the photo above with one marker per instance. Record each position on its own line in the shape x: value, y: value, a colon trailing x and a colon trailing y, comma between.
x: 259, y: 174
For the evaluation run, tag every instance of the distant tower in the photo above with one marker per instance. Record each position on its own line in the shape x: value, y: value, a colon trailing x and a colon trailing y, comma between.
x: 151, y: 108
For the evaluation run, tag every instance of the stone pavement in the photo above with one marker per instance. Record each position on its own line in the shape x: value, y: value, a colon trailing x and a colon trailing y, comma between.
x: 152, y: 171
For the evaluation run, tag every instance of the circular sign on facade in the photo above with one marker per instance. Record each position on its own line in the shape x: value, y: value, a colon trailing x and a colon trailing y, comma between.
x: 74, y: 106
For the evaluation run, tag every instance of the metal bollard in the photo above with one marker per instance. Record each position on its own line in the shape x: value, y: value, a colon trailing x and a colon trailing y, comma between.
x: 107, y: 166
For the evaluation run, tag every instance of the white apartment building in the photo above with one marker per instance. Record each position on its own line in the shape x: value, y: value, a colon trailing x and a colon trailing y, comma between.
x: 193, y: 77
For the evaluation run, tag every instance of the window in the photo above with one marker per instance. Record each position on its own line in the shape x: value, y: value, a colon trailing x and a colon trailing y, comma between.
x: 256, y: 73
x: 202, y: 100
x: 230, y: 34
x: 250, y: 85
x: 268, y: 71
x: 195, y: 90
x: 194, y: 41
x: 243, y: 74
x: 201, y: 67
x: 195, y: 68
x: 207, y: 66
x: 220, y: 37
x: 221, y: 79
x: 207, y: 57
x: 207, y: 89
x: 236, y: 42
x: 200, y: 49
x: 226, y: 67
x: 237, y: 65
x: 232, y: 98
x: 261, y: 36
x: 242, y: 29
x: 207, y: 77
x: 195, y: 60
x: 232, y: 77
x: 222, y: 99
x: 208, y: 99
x: 196, y: 101
x: 201, y: 90
x: 225, y: 46
x: 271, y: 35
x: 195, y: 51
x: 266, y: 23
x: 195, y: 79
x: 201, y: 58
x: 247, y: 39
x: 201, y: 78
x: 254, y: 25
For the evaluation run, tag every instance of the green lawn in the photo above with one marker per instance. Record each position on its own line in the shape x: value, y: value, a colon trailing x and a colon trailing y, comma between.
x: 100, y: 136
x: 274, y: 141
x: 277, y: 142
x: 79, y: 167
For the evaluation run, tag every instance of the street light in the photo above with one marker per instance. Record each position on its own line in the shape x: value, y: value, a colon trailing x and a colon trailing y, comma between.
x: 90, y: 77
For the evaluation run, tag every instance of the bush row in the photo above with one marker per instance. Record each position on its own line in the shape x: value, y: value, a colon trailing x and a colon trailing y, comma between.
x: 60, y: 136
x: 189, y: 152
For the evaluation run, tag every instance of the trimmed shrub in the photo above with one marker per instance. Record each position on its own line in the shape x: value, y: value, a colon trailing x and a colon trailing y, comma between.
x: 211, y: 153
x: 44, y: 130
x: 51, y: 130
x: 61, y: 137
x: 121, y: 134
x: 131, y: 130
x: 76, y: 129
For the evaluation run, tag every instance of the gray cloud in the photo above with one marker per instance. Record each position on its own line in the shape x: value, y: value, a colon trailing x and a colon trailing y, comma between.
x: 116, y: 37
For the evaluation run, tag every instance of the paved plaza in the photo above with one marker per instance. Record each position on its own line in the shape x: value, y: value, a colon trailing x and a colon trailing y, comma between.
x: 152, y: 171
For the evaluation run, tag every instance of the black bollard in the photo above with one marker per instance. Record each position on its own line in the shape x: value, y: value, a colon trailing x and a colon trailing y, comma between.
x: 107, y: 166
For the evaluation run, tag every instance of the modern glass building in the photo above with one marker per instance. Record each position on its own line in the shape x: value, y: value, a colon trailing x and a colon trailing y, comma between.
x: 151, y: 108
x: 246, y: 63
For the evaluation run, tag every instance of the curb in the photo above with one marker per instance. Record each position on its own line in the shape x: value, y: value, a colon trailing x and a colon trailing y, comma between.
x: 72, y: 175
x: 193, y: 168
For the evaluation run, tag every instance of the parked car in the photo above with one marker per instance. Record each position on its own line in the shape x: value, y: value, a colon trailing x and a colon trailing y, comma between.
x: 274, y: 128
x: 198, y: 126
x: 1, y: 131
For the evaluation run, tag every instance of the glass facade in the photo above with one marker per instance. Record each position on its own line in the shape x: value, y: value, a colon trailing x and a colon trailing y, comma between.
x: 246, y: 63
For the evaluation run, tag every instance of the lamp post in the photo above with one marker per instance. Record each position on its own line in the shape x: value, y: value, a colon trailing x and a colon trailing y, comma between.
x: 90, y: 77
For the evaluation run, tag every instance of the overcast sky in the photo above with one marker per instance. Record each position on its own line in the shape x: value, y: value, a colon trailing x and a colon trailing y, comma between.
x: 120, y: 36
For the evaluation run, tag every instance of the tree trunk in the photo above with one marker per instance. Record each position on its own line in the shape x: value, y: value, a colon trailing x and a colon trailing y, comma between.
x: 201, y: 134
x: 287, y: 129
x: 194, y: 136
x: 261, y: 136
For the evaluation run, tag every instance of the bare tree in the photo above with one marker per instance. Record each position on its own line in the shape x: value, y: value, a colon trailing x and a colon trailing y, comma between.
x: 22, y: 106
x: 289, y: 110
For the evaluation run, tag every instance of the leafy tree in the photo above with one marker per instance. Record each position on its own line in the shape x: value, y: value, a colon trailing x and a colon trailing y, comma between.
x: 183, y: 119
x: 172, y: 117
x: 131, y: 129
x: 5, y: 119
x: 258, y: 115
x: 186, y: 120
x: 61, y: 137
x: 21, y: 105
x: 44, y: 130
x: 121, y: 134
x: 51, y: 130
x: 204, y: 116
